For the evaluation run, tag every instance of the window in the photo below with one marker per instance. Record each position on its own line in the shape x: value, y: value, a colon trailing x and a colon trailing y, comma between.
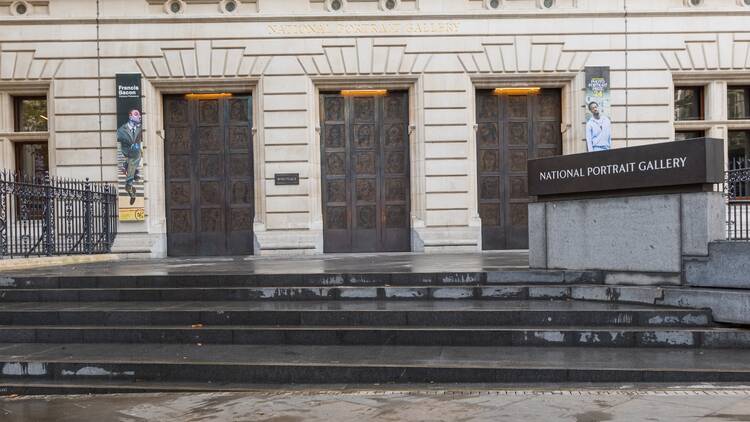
x: 688, y: 103
x: 30, y: 136
x: 30, y: 114
x: 739, y: 145
x: 739, y: 157
x: 20, y: 7
x: 738, y: 102
x: 32, y: 164
x: 30, y: 150
x: 32, y: 159
x: 681, y: 135
x: 27, y: 138
x: 335, y: 5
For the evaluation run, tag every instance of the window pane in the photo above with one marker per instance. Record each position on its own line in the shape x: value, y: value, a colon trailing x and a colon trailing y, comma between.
x: 31, y: 114
x: 31, y: 159
x: 739, y: 154
x: 739, y: 146
x: 32, y: 163
x: 688, y: 103
x: 681, y: 135
x: 738, y: 102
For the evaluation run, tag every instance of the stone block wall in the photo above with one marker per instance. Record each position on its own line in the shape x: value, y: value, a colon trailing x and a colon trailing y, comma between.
x: 633, y: 239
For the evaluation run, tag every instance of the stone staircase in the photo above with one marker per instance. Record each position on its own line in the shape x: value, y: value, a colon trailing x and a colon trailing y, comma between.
x: 204, y: 333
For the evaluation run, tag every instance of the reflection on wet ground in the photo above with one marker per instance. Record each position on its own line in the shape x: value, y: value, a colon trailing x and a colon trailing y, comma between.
x: 434, y: 404
x: 333, y: 263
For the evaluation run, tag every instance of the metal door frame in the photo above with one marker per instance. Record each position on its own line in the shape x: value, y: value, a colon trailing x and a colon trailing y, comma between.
x: 380, y: 176
x: 571, y: 84
x: 153, y: 103
x: 193, y: 133
x: 413, y: 84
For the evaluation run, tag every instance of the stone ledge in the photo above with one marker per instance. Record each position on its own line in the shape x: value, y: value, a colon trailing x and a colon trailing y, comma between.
x: 726, y: 305
x: 727, y: 266
x: 53, y: 261
x: 732, y: 306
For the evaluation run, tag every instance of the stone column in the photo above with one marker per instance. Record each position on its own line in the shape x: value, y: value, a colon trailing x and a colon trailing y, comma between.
x: 7, y: 160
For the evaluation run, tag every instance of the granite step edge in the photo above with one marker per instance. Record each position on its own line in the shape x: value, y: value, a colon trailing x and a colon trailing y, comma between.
x: 669, y: 337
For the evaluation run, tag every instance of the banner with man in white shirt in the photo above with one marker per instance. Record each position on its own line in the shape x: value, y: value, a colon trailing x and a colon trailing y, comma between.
x: 598, y: 124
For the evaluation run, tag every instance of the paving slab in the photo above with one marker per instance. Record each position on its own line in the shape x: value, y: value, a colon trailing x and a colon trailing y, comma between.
x: 436, y: 403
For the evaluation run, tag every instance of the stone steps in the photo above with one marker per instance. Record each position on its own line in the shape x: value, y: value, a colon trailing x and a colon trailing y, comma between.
x: 22, y: 386
x: 433, y: 313
x: 204, y: 332
x: 322, y: 292
x: 285, y: 364
x: 595, y: 336
x: 301, y: 280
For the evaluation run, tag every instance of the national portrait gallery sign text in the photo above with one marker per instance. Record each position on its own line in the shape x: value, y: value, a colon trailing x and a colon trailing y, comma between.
x: 671, y: 164
x: 622, y: 168
x: 363, y: 28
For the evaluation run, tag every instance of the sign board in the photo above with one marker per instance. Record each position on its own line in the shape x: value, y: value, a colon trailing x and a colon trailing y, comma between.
x: 281, y: 179
x: 129, y: 147
x: 132, y: 214
x: 670, y: 164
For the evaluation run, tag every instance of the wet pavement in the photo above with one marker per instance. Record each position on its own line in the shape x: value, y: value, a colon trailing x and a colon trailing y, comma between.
x: 681, y: 404
x: 330, y: 263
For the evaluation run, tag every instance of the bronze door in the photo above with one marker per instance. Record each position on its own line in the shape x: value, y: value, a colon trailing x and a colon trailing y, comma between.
x: 209, y: 176
x: 365, y: 173
x: 511, y: 130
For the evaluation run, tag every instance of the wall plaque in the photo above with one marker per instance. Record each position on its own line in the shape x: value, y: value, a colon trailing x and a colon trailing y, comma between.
x: 677, y: 164
x: 281, y: 179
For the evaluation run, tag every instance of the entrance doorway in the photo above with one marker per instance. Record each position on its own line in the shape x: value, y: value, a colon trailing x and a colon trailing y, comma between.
x: 365, y: 172
x: 209, y: 175
x: 510, y: 130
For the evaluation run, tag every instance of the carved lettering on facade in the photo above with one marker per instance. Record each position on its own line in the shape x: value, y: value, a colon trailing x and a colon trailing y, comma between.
x: 347, y: 28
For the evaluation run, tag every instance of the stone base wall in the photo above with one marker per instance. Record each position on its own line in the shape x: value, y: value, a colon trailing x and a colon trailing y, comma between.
x: 637, y: 239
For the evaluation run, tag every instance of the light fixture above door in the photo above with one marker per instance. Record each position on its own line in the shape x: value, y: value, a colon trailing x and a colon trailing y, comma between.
x: 364, y: 92
x: 518, y: 90
x: 208, y: 96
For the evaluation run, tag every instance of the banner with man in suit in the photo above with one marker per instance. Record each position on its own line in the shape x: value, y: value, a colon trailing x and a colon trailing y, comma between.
x: 129, y: 146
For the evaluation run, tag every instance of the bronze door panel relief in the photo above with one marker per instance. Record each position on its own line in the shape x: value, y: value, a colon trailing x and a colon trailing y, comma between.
x: 511, y: 130
x: 365, y: 173
x: 209, y: 176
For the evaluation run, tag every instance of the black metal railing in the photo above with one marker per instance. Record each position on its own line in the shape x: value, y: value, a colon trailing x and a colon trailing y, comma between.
x: 737, y: 190
x: 46, y: 216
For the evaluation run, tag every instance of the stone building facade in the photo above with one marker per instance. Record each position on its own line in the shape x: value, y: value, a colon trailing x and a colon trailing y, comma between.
x: 426, y: 159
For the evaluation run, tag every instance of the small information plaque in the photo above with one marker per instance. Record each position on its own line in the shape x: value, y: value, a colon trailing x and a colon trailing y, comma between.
x: 281, y: 179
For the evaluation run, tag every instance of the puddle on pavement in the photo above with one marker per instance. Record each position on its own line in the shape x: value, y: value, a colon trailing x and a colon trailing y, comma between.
x: 732, y: 418
x: 593, y: 416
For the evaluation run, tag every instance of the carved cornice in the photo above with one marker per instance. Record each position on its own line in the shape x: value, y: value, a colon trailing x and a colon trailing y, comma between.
x: 158, y: 2
x: 32, y: 2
